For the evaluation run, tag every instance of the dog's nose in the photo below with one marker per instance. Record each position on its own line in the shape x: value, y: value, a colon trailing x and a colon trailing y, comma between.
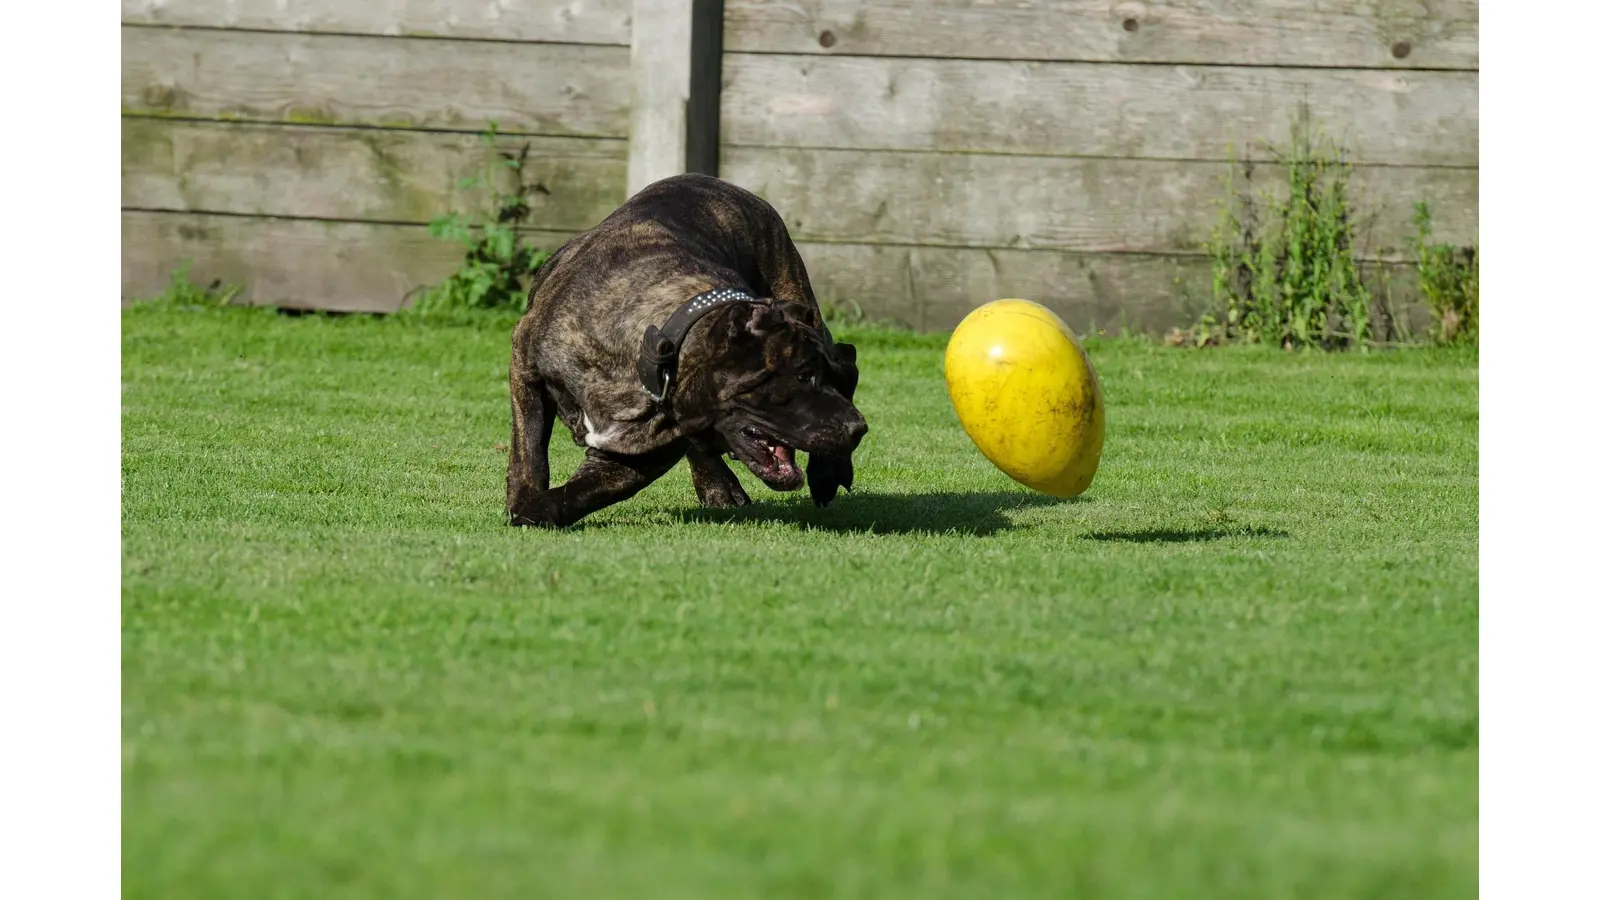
x: 855, y: 431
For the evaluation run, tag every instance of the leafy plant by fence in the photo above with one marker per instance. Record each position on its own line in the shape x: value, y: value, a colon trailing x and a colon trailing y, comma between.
x: 181, y: 291
x: 1447, y: 277
x: 1285, y: 269
x: 497, y: 266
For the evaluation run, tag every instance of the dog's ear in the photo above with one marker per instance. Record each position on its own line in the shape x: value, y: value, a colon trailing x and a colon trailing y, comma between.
x: 803, y: 313
x: 739, y: 322
x: 755, y: 319
x: 845, y: 373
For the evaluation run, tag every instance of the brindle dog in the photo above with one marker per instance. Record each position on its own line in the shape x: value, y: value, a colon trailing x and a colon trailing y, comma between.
x: 757, y: 377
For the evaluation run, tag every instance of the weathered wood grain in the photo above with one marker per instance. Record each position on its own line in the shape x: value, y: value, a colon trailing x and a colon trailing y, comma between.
x: 290, y: 263
x: 932, y: 288
x: 1056, y: 203
x: 556, y: 21
x: 1439, y: 34
x: 1093, y: 109
x: 676, y: 66
x: 659, y: 127
x: 555, y: 89
x: 373, y: 267
x: 359, y: 173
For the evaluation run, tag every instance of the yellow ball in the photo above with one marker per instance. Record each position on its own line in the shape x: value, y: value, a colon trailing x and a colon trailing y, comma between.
x: 1026, y: 394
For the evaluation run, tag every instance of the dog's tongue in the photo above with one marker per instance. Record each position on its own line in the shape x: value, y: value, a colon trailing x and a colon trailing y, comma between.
x: 780, y: 471
x: 783, y: 464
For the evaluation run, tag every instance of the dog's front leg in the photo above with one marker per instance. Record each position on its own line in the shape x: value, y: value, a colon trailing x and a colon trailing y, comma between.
x: 714, y: 483
x: 601, y: 480
x: 533, y: 415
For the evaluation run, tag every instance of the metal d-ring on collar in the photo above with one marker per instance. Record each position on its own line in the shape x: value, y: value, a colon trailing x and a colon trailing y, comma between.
x: 658, y: 354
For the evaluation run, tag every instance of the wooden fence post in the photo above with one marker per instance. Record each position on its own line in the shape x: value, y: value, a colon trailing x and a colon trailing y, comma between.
x: 676, y: 70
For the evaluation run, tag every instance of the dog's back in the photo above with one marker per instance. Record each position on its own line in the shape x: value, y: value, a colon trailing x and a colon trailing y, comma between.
x: 675, y: 238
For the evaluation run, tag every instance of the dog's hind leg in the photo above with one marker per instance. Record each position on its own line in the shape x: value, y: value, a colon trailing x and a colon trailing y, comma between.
x: 714, y: 483
x: 601, y: 480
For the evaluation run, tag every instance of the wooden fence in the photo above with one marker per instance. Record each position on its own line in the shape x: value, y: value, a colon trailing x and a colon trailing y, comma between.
x: 928, y: 155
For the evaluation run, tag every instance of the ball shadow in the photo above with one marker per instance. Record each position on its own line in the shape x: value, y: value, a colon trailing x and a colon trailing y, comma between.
x: 939, y: 512
x: 1184, y: 535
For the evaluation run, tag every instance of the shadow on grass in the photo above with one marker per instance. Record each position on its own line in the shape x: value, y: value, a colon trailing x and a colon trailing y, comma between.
x: 975, y: 514
x: 1184, y: 535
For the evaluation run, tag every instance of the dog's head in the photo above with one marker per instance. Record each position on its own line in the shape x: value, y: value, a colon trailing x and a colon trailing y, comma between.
x: 782, y: 385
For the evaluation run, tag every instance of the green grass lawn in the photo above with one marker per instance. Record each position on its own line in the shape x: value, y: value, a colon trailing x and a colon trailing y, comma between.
x: 1243, y: 665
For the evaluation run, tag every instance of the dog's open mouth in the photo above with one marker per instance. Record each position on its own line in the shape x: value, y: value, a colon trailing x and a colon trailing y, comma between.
x: 769, y: 460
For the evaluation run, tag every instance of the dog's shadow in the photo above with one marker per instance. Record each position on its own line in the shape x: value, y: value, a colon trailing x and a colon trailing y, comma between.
x: 939, y: 512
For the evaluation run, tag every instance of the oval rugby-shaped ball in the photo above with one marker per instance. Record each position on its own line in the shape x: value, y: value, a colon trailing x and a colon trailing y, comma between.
x: 1027, y: 396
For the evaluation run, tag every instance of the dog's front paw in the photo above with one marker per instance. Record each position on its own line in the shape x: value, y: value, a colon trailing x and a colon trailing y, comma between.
x: 826, y: 474
x: 530, y: 519
x: 535, y: 514
x: 724, y: 496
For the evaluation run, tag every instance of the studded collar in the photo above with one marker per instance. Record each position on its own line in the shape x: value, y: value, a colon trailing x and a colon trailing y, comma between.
x: 658, y: 353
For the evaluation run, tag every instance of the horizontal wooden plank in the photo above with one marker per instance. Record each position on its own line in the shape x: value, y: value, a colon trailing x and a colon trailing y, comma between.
x: 1441, y: 34
x: 933, y: 288
x: 290, y: 263
x: 1093, y: 109
x: 370, y: 267
x: 359, y: 173
x: 554, y: 89
x: 557, y: 21
x: 1056, y: 203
